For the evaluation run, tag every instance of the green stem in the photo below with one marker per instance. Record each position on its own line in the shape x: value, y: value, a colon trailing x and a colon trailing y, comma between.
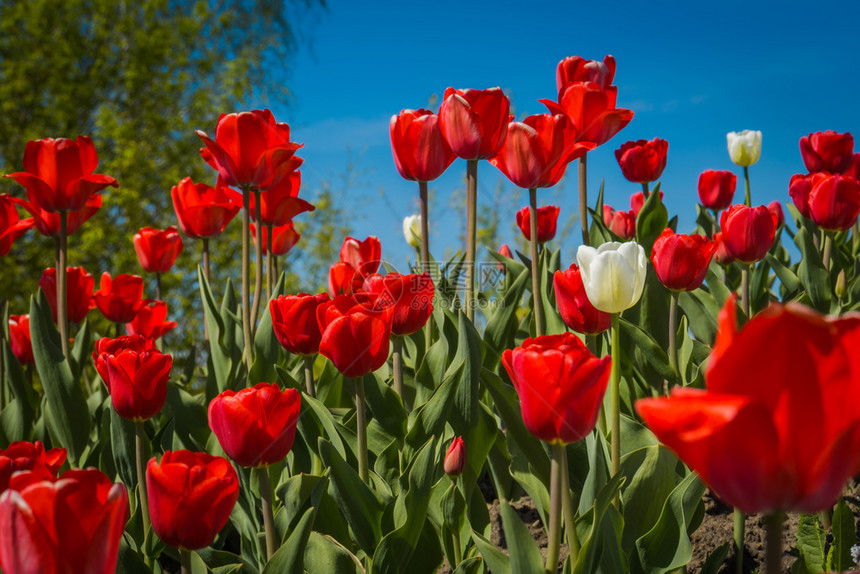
x: 205, y: 243
x: 246, y: 271
x: 739, y: 540
x: 140, y: 458
x: 555, y: 509
x: 425, y: 248
x: 397, y: 361
x: 673, y: 333
x: 828, y: 250
x: 270, y: 263
x: 826, y: 517
x: 2, y: 357
x: 715, y: 225
x: 471, y: 234
x: 361, y: 428
x: 62, y: 309
x: 310, y: 387
x: 616, y: 399
x: 645, y: 192
x: 268, y: 513
x: 773, y: 524
x: 583, y: 198
x: 747, y: 200
x: 536, y: 298
x: 567, y: 506
x: 745, y: 289
x: 185, y: 559
x: 258, y: 263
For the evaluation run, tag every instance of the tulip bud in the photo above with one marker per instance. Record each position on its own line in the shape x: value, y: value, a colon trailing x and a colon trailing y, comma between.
x: 455, y: 458
x: 744, y: 147
x: 841, y: 287
x: 412, y: 230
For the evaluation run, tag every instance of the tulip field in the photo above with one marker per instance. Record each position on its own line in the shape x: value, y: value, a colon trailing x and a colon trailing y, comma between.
x: 600, y: 411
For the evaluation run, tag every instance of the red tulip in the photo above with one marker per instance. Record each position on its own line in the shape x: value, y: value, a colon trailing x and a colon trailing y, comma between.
x: 536, y: 151
x: 775, y: 430
x: 355, y: 336
x: 191, y: 496
x: 340, y: 279
x: 592, y: 110
x: 621, y: 223
x: 575, y: 309
x: 642, y: 160
x: 506, y: 251
x: 547, y: 220
x: 136, y: 378
x: 58, y: 173
x: 455, y: 458
x: 717, y: 188
x: 157, y: 249
x: 256, y: 426
x: 294, y: 320
x: 284, y: 238
x: 827, y: 151
x: 831, y: 201
x: 48, y: 223
x: 721, y: 254
x: 637, y: 202
x: 681, y: 261
x: 853, y: 169
x: 119, y: 299
x: 411, y: 297
x: 575, y: 69
x: 151, y: 321
x: 19, y: 339
x: 79, y: 292
x: 106, y: 346
x: 748, y: 232
x: 251, y: 149
x: 560, y: 384
x: 363, y: 256
x: 11, y: 225
x: 32, y: 457
x: 73, y: 524
x: 279, y: 205
x: 775, y: 209
x: 475, y: 122
x: 421, y: 152
x: 203, y: 210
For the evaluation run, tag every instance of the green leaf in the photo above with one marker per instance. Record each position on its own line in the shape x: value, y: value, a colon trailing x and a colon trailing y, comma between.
x: 123, y: 448
x: 634, y: 338
x: 496, y: 560
x: 812, y: 273
x: 67, y: 416
x: 602, y: 545
x: 385, y: 405
x: 18, y: 416
x: 650, y: 473
x: 359, y: 504
x: 786, y: 276
x: 715, y: 559
x: 811, y: 539
x: 524, y: 553
x: 266, y: 344
x: 324, y: 555
x: 289, y: 559
x: 219, y: 339
x: 502, y: 326
x: 844, y: 537
x: 651, y: 221
x: 82, y: 350
x: 129, y: 561
x: 469, y: 566
x: 432, y: 417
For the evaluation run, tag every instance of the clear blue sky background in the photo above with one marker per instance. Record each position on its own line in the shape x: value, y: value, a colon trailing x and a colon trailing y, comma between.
x: 690, y: 73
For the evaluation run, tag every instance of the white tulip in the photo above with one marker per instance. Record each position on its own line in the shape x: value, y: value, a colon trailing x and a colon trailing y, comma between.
x: 613, y: 274
x: 412, y: 230
x: 744, y: 147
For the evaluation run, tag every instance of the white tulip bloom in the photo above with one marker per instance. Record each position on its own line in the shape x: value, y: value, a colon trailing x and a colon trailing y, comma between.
x: 412, y: 230
x: 613, y: 274
x: 744, y: 147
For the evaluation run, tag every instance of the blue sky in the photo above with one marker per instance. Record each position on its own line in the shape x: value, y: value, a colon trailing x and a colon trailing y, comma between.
x: 690, y: 73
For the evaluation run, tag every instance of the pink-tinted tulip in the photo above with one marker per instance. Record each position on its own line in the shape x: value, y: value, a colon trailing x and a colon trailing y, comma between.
x: 421, y: 152
x: 475, y: 122
x: 455, y: 458
x: 637, y: 201
x: 621, y: 223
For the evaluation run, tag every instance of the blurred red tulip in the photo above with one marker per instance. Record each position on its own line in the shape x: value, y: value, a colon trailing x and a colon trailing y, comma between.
x: 592, y: 110
x: 191, y: 496
x: 717, y: 188
x: 340, y: 279
x: 681, y: 261
x: 831, y: 201
x: 151, y: 321
x: 256, y: 427
x: 411, y: 297
x: 294, y: 320
x: 475, y: 122
x: 748, y: 232
x: 827, y: 151
x: 48, y: 224
x: 421, y: 152
x: 284, y: 238
x: 455, y: 458
x: 355, y: 335
x: 637, y: 201
x: 853, y: 169
x: 775, y: 209
x: 506, y: 251
x: 621, y: 223
x: 11, y: 225
x: 547, y: 221
x: 32, y: 457
x: 203, y: 210
x: 575, y: 309
x: 251, y: 149
x: 575, y: 69
x: 642, y: 160
x: 279, y: 205
x: 536, y: 151
x: 137, y: 375
x: 119, y: 299
x: 19, y: 339
x: 721, y: 255
x: 157, y: 249
x: 560, y: 385
x: 73, y: 524
x: 58, y: 173
x: 79, y: 292
x: 775, y: 430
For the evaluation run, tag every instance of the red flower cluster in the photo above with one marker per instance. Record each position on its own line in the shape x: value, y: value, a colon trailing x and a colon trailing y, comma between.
x: 32, y: 457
